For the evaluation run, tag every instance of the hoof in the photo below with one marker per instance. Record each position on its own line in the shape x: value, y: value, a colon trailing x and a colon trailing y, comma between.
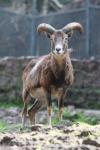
x: 49, y: 126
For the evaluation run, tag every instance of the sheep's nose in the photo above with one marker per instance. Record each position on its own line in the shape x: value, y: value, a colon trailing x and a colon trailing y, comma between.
x: 58, y: 49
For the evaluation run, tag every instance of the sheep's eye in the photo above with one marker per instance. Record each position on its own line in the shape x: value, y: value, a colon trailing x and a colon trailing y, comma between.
x: 66, y: 38
x: 48, y: 35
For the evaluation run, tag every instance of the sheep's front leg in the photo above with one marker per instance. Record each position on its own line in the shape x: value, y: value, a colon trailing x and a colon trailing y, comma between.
x: 49, y: 115
x: 61, y: 103
x: 49, y: 104
x: 60, y: 109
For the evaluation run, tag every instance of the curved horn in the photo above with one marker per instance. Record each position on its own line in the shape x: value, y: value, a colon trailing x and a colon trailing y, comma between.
x: 73, y: 26
x: 43, y: 27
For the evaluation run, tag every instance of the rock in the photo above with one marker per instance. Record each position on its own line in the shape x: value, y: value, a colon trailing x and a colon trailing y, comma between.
x: 85, y: 133
x: 6, y: 140
x: 89, y: 112
x: 68, y: 130
x: 94, y: 142
x: 36, y: 127
x: 10, y: 115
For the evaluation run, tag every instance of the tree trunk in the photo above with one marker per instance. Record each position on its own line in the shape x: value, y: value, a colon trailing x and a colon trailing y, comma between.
x: 45, y: 7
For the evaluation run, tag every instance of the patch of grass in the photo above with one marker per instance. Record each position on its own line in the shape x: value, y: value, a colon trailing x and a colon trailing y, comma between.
x: 55, y: 121
x: 4, y: 127
x: 10, y: 104
x: 78, y: 117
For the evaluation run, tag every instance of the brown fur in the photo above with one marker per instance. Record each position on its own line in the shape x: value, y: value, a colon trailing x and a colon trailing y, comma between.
x: 51, y: 75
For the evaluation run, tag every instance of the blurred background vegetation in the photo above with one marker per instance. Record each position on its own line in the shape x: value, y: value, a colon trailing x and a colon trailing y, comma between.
x: 43, y: 6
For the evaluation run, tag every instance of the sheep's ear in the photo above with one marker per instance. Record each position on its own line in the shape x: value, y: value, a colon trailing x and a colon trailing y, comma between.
x: 48, y: 35
x: 70, y: 34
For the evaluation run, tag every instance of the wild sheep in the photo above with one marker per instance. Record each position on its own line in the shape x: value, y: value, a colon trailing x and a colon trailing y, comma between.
x: 51, y: 75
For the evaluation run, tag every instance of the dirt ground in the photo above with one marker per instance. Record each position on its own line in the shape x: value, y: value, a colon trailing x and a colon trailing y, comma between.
x: 75, y: 137
x: 66, y: 136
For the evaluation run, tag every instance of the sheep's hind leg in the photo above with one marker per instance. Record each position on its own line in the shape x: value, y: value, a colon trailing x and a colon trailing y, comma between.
x: 49, y: 104
x: 32, y: 111
x: 24, y: 114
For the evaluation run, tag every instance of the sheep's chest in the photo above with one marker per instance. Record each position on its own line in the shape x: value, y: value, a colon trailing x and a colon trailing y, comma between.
x: 49, y: 78
x: 54, y: 72
x: 59, y: 79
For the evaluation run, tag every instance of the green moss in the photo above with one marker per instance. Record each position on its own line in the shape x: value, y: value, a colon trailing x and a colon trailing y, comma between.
x: 55, y: 121
x: 11, y: 104
x: 78, y: 117
x: 4, y: 127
